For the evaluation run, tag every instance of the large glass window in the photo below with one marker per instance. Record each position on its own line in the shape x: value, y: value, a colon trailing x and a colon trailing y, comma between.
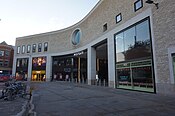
x: 134, y: 59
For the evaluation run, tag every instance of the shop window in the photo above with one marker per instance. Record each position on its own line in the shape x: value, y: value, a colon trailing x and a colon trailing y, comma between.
x: 118, y: 18
x: 46, y: 46
x: 34, y: 48
x: 105, y: 27
x: 138, y: 5
x: 134, y: 58
x: 39, y: 47
x: 28, y: 48
x: 23, y: 49
x: 18, y: 50
x: 1, y: 53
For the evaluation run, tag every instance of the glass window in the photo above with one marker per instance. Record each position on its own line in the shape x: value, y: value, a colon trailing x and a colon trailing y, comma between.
x: 7, y: 53
x: 23, y: 49
x: 34, y: 48
x: 120, y: 47
x: 118, y: 18
x: 1, y: 53
x: 28, y: 48
x: 45, y: 46
x: 134, y: 58
x: 138, y: 4
x: 18, y: 49
x: 39, y: 47
x: 76, y: 37
x: 173, y: 61
x: 105, y: 27
x: 1, y: 63
x: 6, y: 63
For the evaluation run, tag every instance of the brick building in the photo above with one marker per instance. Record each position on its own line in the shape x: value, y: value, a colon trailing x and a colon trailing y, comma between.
x: 125, y: 44
x: 6, y: 58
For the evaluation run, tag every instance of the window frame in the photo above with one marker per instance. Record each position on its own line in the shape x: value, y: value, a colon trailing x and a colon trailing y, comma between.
x: 28, y: 48
x: 34, y: 48
x: 119, y: 15
x: 135, y: 4
x: 18, y: 50
x: 45, y: 46
x: 40, y: 47
x: 2, y: 52
x: 23, y: 49
x: 105, y: 27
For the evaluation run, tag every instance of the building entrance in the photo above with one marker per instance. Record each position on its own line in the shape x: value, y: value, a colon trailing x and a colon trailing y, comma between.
x: 39, y: 75
x: 102, y: 64
x: 39, y: 69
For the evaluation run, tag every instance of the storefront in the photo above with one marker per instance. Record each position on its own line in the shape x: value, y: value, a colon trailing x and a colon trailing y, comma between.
x: 22, y: 69
x: 72, y: 67
x: 38, y: 69
x: 134, y: 61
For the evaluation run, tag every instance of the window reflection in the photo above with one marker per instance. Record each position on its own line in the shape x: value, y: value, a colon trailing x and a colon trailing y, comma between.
x: 134, y: 59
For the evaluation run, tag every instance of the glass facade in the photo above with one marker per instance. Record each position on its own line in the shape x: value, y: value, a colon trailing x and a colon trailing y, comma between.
x: 39, y: 69
x: 134, y: 58
x: 72, y: 67
x: 22, y: 68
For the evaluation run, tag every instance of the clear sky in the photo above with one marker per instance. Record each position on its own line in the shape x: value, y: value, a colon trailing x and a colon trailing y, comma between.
x: 27, y: 17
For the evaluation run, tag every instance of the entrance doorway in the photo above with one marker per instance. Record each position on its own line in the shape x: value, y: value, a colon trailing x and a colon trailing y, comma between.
x: 39, y: 75
x: 102, y: 64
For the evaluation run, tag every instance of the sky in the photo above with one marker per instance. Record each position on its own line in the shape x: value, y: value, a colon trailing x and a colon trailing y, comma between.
x: 27, y: 17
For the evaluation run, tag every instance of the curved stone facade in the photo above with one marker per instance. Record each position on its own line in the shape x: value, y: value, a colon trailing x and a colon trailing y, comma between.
x: 92, y: 33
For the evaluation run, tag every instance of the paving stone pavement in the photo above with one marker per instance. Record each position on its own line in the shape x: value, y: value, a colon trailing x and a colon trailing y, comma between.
x: 70, y: 99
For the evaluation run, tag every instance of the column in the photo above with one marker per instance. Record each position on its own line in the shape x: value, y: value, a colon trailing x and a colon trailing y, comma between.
x: 48, y: 68
x: 29, y: 69
x: 111, y: 61
x: 91, y: 65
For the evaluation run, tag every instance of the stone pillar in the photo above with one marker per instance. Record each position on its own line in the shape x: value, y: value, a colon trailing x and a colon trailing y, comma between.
x: 48, y: 68
x: 29, y: 69
x: 111, y: 61
x: 91, y: 65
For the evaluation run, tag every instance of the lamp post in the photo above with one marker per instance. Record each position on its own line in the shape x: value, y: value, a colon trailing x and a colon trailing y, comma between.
x: 152, y: 2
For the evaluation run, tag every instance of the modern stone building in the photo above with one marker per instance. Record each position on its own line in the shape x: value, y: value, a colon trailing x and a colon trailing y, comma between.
x: 127, y: 44
x: 6, y: 59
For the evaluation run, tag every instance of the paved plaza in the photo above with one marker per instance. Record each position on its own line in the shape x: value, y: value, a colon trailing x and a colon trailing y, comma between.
x: 70, y: 99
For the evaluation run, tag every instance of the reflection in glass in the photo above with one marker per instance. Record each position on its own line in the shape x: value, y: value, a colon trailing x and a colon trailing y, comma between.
x: 124, y: 79
x: 134, y: 59
x: 120, y: 47
x: 142, y: 77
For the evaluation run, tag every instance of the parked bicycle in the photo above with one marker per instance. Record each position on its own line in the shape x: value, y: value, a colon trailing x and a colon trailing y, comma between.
x: 13, y: 90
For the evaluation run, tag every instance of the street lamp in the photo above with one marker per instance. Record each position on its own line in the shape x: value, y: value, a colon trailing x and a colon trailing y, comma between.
x: 152, y: 2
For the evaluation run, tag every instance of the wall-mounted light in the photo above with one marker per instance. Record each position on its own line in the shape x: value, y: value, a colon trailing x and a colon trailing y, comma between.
x: 152, y: 2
